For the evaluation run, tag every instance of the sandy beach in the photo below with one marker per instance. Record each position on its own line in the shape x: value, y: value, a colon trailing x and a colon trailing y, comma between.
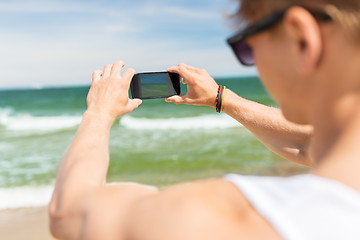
x: 24, y: 224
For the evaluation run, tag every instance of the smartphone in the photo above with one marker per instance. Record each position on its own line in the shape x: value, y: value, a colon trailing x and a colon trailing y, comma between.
x: 153, y: 85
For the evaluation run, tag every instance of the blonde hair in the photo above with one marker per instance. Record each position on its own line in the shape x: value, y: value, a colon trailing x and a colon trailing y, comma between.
x: 344, y: 12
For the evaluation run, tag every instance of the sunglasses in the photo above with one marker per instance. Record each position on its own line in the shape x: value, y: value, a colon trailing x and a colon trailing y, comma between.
x: 244, y: 52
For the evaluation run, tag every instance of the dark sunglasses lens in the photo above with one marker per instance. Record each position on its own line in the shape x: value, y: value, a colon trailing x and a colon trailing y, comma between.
x: 244, y: 53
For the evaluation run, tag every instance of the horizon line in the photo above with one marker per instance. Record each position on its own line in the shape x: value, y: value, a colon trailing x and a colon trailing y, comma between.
x: 80, y: 85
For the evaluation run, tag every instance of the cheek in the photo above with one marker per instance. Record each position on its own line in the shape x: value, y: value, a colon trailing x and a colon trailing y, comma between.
x: 271, y: 71
x: 274, y: 67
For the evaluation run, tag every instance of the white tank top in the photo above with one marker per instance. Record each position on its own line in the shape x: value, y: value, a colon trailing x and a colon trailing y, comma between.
x: 304, y: 207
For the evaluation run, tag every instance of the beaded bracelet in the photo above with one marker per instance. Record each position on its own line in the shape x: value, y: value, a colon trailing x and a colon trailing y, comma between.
x: 220, y: 99
x: 217, y: 98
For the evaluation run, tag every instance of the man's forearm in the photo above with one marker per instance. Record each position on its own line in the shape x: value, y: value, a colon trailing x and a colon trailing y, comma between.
x: 85, y: 163
x: 286, y: 139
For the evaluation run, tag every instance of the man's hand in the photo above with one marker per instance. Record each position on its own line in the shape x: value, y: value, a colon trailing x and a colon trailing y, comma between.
x: 202, y: 88
x: 108, y: 97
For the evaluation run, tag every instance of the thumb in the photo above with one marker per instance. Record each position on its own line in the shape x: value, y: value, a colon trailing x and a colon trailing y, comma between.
x: 176, y: 99
x: 133, y: 104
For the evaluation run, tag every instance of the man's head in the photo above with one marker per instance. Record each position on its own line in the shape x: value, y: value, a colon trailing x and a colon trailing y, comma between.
x: 299, y: 57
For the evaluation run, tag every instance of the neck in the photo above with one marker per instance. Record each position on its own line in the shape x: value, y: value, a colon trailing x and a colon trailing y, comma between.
x: 342, y: 162
x: 331, y: 122
x: 336, y: 120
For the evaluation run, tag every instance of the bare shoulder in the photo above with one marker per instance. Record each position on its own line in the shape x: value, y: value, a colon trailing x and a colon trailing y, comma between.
x: 108, y: 208
x: 210, y: 209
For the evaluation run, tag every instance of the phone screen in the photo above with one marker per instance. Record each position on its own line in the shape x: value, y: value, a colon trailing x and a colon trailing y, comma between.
x: 155, y: 85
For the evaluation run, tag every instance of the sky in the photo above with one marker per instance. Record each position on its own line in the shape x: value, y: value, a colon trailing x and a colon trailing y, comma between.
x: 45, y: 43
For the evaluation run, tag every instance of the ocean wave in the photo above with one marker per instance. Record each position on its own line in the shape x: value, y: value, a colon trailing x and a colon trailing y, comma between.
x: 201, y: 122
x: 20, y: 122
x: 10, y: 120
x: 24, y: 197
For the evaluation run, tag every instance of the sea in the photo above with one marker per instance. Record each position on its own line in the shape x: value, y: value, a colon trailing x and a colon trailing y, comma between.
x: 159, y: 143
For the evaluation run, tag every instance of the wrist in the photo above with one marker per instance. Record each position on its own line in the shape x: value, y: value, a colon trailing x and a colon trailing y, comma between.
x: 100, y: 119
x: 213, y: 99
x: 227, y: 95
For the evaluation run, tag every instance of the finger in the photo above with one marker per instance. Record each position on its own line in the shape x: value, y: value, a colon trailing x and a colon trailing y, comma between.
x: 192, y: 69
x: 116, y: 68
x: 128, y: 75
x: 96, y: 76
x: 186, y: 74
x: 107, y: 70
x: 133, y: 104
x: 176, y: 99
x: 188, y: 67
x: 174, y: 69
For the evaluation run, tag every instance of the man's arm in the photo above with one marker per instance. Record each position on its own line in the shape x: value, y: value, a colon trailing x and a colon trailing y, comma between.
x: 288, y: 140
x: 284, y: 138
x: 84, y: 167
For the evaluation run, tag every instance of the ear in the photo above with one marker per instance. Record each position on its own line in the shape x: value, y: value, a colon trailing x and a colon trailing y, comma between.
x: 305, y: 34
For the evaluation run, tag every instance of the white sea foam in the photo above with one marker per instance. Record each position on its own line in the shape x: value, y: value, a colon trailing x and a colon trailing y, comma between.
x: 26, y: 122
x: 200, y: 122
x: 24, y: 197
x: 44, y: 123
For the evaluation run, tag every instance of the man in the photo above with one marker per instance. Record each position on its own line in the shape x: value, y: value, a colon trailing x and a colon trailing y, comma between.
x: 300, y: 54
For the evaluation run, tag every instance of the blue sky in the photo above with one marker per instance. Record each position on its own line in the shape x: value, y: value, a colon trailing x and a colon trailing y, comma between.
x: 52, y: 43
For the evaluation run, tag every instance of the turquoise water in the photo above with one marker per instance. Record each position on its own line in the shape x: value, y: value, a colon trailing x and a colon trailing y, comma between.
x: 159, y: 143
